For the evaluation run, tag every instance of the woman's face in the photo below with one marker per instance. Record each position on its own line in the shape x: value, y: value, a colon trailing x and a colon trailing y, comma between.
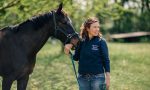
x: 94, y: 29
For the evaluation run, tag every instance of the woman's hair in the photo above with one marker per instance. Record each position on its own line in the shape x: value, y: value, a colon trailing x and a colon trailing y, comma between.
x: 87, y: 24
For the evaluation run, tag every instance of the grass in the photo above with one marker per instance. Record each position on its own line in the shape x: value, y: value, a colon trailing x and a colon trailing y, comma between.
x: 129, y: 68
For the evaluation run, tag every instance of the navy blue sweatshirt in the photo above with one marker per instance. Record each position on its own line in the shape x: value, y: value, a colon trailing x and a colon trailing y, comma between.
x: 93, y: 56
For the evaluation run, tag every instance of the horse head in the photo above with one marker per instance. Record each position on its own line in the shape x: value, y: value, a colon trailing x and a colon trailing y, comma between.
x: 64, y: 29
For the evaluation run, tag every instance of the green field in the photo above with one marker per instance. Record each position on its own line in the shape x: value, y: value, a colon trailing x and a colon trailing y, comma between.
x: 130, y: 63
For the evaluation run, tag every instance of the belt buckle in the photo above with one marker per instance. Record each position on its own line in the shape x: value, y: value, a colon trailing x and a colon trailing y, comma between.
x: 88, y: 75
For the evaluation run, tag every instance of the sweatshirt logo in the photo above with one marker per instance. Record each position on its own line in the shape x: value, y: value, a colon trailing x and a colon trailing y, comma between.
x: 94, y: 47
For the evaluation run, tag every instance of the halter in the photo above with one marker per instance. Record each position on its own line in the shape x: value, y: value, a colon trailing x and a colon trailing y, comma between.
x: 57, y: 28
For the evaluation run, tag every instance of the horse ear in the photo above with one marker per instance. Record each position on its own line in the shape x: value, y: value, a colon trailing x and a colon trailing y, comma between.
x: 60, y: 7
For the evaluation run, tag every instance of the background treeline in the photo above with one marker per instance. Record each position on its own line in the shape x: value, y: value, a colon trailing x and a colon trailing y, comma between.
x: 116, y: 16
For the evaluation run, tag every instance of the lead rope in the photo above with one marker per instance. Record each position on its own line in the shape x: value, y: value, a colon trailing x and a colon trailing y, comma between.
x: 74, y: 68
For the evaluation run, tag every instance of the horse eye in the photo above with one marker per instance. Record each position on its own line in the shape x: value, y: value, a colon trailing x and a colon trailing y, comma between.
x: 64, y: 22
x: 60, y: 23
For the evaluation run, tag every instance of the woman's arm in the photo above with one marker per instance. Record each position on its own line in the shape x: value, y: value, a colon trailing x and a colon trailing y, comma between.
x: 106, y: 61
x: 105, y: 55
x: 67, y: 48
x: 76, y: 55
x: 107, y: 80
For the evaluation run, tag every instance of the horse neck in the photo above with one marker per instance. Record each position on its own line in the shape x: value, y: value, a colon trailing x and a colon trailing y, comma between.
x: 40, y: 38
x: 34, y: 40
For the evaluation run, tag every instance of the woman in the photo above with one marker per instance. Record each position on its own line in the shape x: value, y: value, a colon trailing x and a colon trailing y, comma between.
x: 92, y: 54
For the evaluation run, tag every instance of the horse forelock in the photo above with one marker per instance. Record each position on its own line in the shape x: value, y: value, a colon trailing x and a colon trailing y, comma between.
x: 64, y: 12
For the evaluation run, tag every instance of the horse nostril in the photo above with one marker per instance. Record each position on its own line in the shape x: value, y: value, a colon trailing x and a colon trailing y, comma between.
x: 75, y: 41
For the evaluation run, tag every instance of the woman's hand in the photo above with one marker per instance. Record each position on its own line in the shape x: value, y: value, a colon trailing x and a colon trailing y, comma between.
x: 107, y: 80
x: 67, y: 48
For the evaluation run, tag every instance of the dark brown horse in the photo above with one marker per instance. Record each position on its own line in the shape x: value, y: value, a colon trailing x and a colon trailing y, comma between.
x: 20, y: 44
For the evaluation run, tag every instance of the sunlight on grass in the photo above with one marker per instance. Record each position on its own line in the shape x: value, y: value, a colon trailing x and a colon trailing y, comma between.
x: 129, y: 68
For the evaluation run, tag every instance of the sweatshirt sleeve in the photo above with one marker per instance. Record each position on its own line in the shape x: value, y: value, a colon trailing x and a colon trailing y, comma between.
x: 105, y: 55
x: 76, y: 55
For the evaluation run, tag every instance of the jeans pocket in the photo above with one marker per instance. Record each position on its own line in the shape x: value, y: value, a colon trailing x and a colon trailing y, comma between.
x: 80, y: 77
x: 100, y: 77
x: 102, y: 86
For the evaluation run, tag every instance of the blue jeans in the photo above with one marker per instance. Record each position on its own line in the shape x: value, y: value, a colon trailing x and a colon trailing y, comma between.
x: 92, y: 82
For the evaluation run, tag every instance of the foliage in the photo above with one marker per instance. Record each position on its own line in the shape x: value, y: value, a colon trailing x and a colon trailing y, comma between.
x: 119, y: 16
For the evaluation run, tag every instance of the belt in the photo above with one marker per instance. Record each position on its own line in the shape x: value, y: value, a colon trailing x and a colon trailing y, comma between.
x: 89, y: 75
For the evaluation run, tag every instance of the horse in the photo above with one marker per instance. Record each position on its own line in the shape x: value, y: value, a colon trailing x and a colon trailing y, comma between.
x: 20, y: 43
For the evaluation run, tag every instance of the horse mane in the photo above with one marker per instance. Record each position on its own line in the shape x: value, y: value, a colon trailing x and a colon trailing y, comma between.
x: 36, y: 22
x: 40, y: 20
